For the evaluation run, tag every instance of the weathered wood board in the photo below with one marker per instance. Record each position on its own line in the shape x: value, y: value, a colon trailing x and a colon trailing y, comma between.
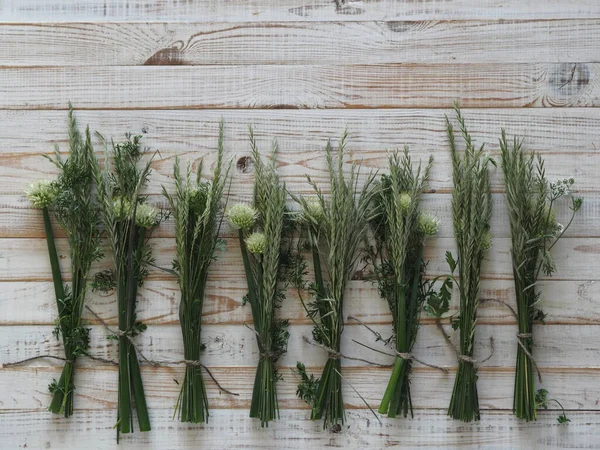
x: 301, y: 71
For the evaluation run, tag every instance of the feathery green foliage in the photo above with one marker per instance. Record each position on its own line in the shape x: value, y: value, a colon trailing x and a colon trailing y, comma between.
x: 128, y: 221
x: 333, y: 232
x: 264, y: 234
x: 196, y: 209
x: 75, y: 209
x: 534, y: 231
x: 400, y: 230
x: 471, y: 215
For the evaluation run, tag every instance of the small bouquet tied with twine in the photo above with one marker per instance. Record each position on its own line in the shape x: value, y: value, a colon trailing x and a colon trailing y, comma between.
x: 531, y: 200
x: 196, y: 210
x: 264, y: 234
x: 72, y: 200
x: 471, y: 216
x: 399, y: 231
x: 333, y: 232
x: 128, y: 223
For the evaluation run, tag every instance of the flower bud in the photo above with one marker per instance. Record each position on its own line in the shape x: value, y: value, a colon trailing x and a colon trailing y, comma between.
x: 405, y: 201
x: 429, y: 224
x: 256, y: 243
x: 41, y: 193
x: 312, y: 210
x: 198, y: 197
x: 487, y: 241
x: 146, y: 216
x: 241, y: 216
x: 122, y: 208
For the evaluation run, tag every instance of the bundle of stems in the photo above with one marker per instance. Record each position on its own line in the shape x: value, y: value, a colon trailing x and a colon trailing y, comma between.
x: 534, y: 232
x: 399, y: 232
x: 128, y: 222
x: 72, y: 199
x: 335, y: 230
x: 196, y: 209
x: 471, y: 214
x: 263, y: 237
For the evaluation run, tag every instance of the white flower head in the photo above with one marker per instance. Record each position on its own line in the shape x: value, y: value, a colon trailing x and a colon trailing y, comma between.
x: 146, y: 216
x: 122, y: 208
x: 562, y: 186
x: 559, y: 229
x: 41, y: 193
x: 312, y: 210
x: 256, y: 243
x: 429, y: 224
x: 241, y: 216
x: 405, y: 201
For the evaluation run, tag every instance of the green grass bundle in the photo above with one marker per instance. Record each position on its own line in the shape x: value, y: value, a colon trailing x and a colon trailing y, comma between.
x: 534, y: 230
x: 263, y: 234
x: 128, y: 222
x: 399, y: 231
x: 196, y: 208
x: 335, y: 229
x: 72, y: 200
x: 471, y: 215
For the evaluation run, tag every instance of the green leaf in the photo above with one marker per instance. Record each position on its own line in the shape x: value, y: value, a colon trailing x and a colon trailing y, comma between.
x: 451, y: 261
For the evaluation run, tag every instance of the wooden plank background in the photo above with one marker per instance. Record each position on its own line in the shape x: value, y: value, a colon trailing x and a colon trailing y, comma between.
x: 301, y: 71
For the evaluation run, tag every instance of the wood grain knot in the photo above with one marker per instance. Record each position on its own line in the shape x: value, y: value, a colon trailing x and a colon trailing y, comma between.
x: 245, y: 164
x: 166, y: 57
x: 569, y: 78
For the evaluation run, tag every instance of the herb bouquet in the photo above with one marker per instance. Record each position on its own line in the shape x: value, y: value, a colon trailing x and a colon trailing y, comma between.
x: 71, y: 196
x: 534, y: 232
x: 399, y: 232
x: 262, y: 233
x: 471, y: 214
x: 128, y: 221
x: 196, y: 209
x: 335, y: 230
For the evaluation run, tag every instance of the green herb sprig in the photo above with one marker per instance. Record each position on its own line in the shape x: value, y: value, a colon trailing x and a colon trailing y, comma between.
x: 128, y: 222
x: 71, y: 198
x: 399, y: 232
x: 531, y: 199
x: 196, y: 208
x: 334, y: 230
x: 264, y: 234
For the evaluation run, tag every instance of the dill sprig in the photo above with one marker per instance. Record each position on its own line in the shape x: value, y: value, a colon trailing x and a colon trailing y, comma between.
x: 471, y: 215
x: 264, y: 236
x: 72, y: 199
x: 334, y: 230
x: 128, y: 221
x: 399, y: 232
x: 196, y: 209
x: 530, y: 199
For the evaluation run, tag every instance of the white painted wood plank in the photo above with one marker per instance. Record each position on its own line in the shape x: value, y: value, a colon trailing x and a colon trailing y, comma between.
x: 298, y: 43
x: 194, y: 133
x: 556, y: 346
x: 575, y: 258
x: 499, y: 85
x: 232, y: 429
x: 290, y: 10
x: 96, y: 388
